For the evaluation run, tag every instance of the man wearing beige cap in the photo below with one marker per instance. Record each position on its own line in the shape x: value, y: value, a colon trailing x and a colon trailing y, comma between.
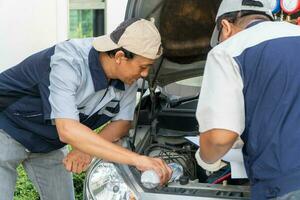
x: 59, y: 95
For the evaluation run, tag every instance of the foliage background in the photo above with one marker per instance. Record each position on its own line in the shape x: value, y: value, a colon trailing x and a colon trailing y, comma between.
x: 81, y: 23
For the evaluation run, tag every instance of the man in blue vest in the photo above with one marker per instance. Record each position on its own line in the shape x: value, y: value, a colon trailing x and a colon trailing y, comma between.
x: 59, y: 95
x: 251, y: 88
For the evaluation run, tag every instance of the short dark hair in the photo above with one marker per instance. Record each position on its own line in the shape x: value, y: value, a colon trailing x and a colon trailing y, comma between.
x: 127, y: 53
x: 232, y: 17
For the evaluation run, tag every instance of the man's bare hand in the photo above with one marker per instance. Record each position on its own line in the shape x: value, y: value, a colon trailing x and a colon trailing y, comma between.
x: 164, y: 172
x: 77, y: 161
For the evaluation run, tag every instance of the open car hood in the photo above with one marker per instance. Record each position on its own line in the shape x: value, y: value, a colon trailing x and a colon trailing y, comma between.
x: 185, y: 28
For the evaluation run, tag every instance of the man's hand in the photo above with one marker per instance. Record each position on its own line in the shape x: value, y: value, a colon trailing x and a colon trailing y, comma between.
x: 164, y: 172
x: 77, y: 161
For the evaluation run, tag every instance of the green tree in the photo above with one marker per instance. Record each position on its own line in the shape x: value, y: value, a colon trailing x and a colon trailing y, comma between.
x: 81, y: 23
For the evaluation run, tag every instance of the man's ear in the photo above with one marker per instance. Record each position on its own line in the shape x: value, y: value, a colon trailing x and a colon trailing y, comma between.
x: 227, y: 29
x: 119, y: 56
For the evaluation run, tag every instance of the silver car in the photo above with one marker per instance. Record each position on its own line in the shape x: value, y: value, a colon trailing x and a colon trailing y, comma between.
x: 165, y: 113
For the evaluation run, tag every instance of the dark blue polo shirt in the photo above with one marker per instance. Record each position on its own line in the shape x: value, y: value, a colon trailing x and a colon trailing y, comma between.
x: 64, y: 81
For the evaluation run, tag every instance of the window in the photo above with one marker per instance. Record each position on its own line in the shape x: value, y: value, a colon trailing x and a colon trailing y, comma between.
x: 86, y: 18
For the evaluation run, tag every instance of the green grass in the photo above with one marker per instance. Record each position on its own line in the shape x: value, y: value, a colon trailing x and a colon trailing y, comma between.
x: 24, y: 188
x: 78, y: 180
x: 26, y: 191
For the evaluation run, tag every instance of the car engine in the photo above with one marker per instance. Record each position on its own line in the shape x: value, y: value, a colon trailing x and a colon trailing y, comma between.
x: 165, y: 139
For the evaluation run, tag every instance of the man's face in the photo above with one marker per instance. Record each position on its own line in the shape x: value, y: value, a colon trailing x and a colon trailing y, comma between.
x: 131, y: 70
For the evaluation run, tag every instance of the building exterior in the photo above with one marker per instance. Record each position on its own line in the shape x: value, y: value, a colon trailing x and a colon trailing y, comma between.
x: 31, y: 25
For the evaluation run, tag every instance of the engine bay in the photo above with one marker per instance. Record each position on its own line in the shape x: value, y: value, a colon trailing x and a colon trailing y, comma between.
x: 162, y: 135
x: 181, y: 151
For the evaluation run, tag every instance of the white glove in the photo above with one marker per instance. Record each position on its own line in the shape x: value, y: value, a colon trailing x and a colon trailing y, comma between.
x: 238, y: 144
x: 209, y: 167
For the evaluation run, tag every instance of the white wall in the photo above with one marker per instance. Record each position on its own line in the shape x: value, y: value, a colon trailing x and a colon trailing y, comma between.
x: 28, y: 26
x: 115, y: 13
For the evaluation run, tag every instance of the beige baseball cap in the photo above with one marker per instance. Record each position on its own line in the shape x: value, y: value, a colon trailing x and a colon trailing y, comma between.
x: 228, y: 6
x: 138, y: 36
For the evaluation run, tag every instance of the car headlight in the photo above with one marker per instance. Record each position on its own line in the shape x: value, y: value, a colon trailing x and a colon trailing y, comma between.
x: 104, y: 182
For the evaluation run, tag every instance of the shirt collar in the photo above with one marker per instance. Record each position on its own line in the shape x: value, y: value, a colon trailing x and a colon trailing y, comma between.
x: 98, y: 76
x: 254, y: 22
x: 116, y: 83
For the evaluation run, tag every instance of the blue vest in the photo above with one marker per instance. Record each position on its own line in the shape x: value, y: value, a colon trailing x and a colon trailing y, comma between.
x: 271, y: 74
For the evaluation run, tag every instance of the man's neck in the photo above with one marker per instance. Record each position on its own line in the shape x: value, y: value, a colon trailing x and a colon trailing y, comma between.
x: 108, y: 65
